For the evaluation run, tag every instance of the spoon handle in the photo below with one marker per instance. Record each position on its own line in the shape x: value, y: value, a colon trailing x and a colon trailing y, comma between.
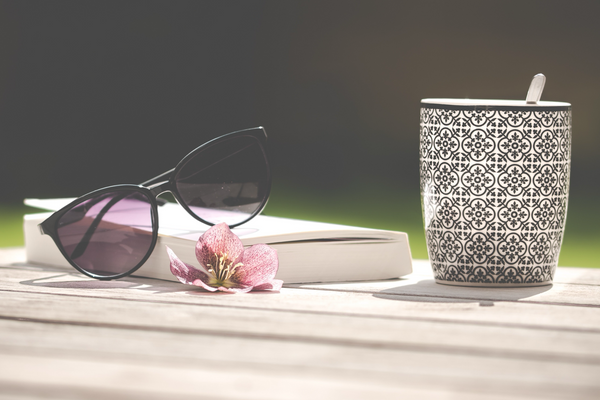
x: 535, y: 89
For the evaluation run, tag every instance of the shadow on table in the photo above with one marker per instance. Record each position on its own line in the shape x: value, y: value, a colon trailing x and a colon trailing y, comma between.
x: 429, y: 290
x: 75, y: 280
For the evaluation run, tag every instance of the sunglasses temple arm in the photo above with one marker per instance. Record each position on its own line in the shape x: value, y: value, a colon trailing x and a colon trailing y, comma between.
x: 159, y: 178
x: 87, y: 237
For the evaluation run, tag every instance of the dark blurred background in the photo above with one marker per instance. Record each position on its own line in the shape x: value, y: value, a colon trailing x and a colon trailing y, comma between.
x: 100, y: 93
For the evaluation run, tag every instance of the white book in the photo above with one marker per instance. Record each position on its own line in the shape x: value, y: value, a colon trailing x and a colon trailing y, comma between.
x: 308, y: 251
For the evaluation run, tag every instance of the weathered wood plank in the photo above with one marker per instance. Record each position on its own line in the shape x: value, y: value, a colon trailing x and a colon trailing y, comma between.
x: 580, y: 276
x: 411, y: 337
x: 489, y: 340
x: 368, y: 304
x: 132, y: 362
x: 418, y: 287
x: 558, y: 294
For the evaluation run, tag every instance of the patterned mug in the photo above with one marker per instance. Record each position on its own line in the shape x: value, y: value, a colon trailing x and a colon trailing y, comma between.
x: 494, y: 189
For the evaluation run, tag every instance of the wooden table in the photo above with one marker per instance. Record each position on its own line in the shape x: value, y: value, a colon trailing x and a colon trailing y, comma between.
x: 66, y: 336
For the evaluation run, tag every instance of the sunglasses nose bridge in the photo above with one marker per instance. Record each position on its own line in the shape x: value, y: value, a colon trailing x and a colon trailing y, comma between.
x: 160, y: 188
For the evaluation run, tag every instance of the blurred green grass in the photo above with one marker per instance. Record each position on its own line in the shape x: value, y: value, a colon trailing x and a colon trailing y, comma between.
x: 375, y: 207
x: 11, y: 224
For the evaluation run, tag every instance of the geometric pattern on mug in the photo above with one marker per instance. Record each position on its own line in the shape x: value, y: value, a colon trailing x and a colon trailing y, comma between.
x: 494, y: 185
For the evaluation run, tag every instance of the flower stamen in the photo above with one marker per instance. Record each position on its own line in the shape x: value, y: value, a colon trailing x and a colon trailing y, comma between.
x: 222, y: 269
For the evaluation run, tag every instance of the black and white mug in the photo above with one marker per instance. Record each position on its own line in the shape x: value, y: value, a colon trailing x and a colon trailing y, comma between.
x: 494, y: 189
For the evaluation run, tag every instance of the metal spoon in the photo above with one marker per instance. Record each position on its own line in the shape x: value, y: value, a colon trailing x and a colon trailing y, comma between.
x: 535, y: 89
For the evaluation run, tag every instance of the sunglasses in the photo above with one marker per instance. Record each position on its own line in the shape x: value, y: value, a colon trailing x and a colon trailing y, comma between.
x: 109, y: 233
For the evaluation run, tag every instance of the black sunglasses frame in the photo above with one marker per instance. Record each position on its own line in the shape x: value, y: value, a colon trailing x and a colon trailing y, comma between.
x: 151, y: 189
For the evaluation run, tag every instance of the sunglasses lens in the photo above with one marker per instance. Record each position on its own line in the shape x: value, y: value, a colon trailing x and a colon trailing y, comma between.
x: 109, y: 234
x: 225, y: 182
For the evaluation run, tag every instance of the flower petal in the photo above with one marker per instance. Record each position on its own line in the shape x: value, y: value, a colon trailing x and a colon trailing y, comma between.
x: 185, y: 272
x: 260, y: 266
x: 199, y: 282
x: 218, y: 240
x: 274, y: 284
x: 235, y: 289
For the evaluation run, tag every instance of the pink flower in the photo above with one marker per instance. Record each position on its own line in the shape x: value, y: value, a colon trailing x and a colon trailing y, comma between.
x: 226, y: 266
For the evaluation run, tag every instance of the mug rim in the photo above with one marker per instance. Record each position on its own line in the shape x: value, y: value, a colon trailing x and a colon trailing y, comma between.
x: 492, y: 104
